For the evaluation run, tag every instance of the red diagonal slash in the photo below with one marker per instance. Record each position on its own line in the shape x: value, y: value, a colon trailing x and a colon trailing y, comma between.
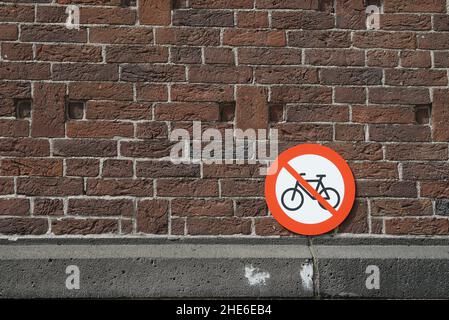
x: 310, y: 189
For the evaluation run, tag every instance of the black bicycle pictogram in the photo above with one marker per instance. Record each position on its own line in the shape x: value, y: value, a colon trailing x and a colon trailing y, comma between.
x: 293, y: 198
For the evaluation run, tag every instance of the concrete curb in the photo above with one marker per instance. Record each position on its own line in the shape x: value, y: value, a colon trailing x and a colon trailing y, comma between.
x: 227, y: 269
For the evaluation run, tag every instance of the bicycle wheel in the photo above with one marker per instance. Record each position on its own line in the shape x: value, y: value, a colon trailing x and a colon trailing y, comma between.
x: 334, y: 197
x: 292, y: 199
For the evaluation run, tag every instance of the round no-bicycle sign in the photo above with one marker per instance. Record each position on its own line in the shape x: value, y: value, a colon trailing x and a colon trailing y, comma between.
x: 310, y: 189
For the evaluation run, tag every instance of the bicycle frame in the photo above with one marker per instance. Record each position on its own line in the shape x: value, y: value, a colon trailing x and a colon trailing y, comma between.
x: 319, y: 186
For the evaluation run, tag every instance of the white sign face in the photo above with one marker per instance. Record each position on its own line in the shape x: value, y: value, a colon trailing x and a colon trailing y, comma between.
x: 323, y: 176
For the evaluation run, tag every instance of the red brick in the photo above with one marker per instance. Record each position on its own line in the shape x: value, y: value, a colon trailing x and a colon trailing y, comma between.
x: 185, y: 55
x: 381, y: 188
x: 201, y: 207
x: 99, y: 129
x: 254, y: 37
x: 252, y: 19
x: 187, y: 188
x: 155, y: 12
x: 387, y: 114
x: 50, y: 186
x: 100, y: 207
x: 202, y: 92
x: 318, y: 113
x: 24, y: 70
x: 6, y: 186
x: 399, y: 95
x: 287, y: 75
x: 218, y: 226
x: 188, y: 36
x: 31, y: 167
x: 120, y: 35
x: 358, y: 150
x: 332, y: 57
x: 152, y: 217
x: 412, y: 77
x: 387, y: 40
x: 242, y: 188
x: 48, y: 116
x: 146, y: 149
x: 266, y: 56
x: 319, y: 39
x: 251, y: 208
x: 375, y: 170
x: 8, y: 32
x: 166, y: 169
x: 401, y: 207
x: 16, y: 13
x: 203, y: 18
x: 113, y: 110
x: 251, y: 108
x: 270, y: 227
x: 305, y: 132
x: 119, y: 187
x: 23, y: 226
x: 24, y: 147
x: 70, y: 226
x: 349, y: 132
x: 222, y: 4
x: 14, y: 207
x: 17, y: 51
x: 308, y: 20
x: 416, y: 151
x: 383, y: 58
x: 413, y: 226
x: 357, y: 220
x: 113, y: 168
x: 110, y: 16
x: 68, y: 53
x: 82, y: 167
x: 152, y: 130
x: 51, y: 33
x: 400, y: 133
x: 421, y: 6
x: 48, y: 207
x: 84, y: 148
x: 440, y: 115
x: 301, y: 94
x: 214, y: 55
x: 350, y: 95
x: 220, y: 74
x: 416, y: 59
x: 100, y: 91
x: 406, y: 22
x: 187, y: 111
x: 152, y: 92
x: 14, y: 128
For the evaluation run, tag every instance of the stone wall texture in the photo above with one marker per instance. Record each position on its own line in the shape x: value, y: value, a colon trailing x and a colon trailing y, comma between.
x: 85, y: 115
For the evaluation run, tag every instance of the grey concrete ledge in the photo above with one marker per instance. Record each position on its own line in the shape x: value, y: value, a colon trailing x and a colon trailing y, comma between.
x: 224, y: 268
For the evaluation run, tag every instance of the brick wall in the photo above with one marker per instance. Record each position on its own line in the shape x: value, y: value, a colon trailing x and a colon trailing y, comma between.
x: 85, y: 114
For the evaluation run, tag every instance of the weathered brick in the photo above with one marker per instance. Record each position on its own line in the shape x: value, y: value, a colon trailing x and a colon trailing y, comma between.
x: 70, y: 226
x: 415, y: 226
x: 113, y: 168
x: 14, y: 207
x: 48, y: 207
x: 251, y: 108
x: 49, y: 186
x: 218, y: 226
x: 31, y: 167
x: 201, y: 207
x: 440, y: 115
x: 84, y: 148
x: 152, y: 217
x: 119, y: 187
x: 187, y: 188
x: 99, y: 129
x: 82, y: 167
x: 155, y: 12
x: 23, y: 226
x: 401, y: 207
x: 100, y: 207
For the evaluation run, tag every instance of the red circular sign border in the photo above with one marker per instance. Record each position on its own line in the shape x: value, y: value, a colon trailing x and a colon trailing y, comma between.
x: 293, y: 225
